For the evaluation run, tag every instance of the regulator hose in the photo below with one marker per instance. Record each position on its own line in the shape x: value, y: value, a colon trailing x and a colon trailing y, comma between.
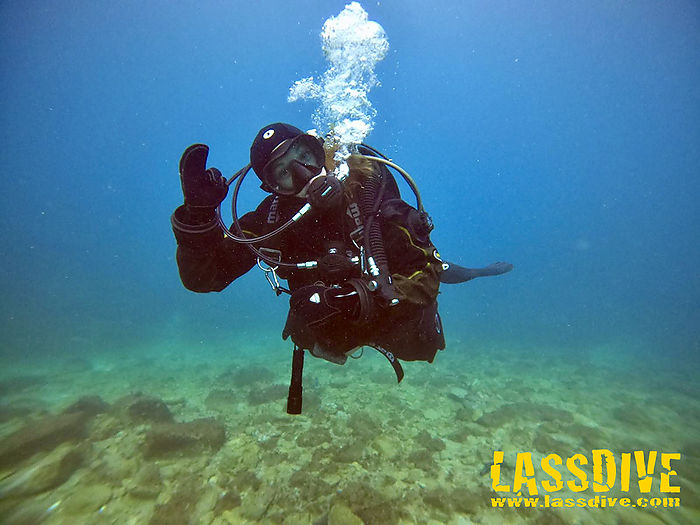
x: 370, y: 200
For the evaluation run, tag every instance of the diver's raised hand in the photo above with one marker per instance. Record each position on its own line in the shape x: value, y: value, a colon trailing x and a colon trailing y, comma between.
x: 203, y: 188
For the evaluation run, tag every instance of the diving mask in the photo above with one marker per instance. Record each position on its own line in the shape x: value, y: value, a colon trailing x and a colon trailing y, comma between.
x: 293, y: 163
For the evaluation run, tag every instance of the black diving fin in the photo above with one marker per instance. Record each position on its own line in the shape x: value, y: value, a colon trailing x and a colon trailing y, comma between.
x: 455, y: 274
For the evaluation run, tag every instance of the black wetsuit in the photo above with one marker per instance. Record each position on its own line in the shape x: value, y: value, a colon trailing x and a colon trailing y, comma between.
x: 208, y: 261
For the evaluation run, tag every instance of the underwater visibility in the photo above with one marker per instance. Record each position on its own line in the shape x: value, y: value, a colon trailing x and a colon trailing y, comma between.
x: 349, y: 262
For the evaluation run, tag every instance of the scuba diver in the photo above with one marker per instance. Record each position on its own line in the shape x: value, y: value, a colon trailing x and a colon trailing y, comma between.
x: 358, y: 260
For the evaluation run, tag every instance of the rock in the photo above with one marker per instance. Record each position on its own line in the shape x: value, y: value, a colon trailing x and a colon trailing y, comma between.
x: 114, y: 464
x: 423, y: 460
x: 221, y: 400
x: 104, y: 427
x: 47, y: 473
x: 430, y: 443
x: 255, y: 505
x: 147, y: 483
x: 467, y: 501
x: 16, y: 384
x: 179, y: 509
x: 87, y: 500
x: 590, y: 437
x: 310, y: 487
x: 549, y: 413
x: 247, y: 479
x: 44, y: 434
x: 458, y: 394
x: 138, y: 408
x: 691, y: 448
x: 546, y: 444
x: 386, y: 446
x: 371, y: 505
x: 690, y: 468
x: 632, y: 415
x: 364, y: 426
x: 524, y: 410
x: 30, y: 511
x: 342, y: 515
x: 9, y: 412
x: 300, y: 517
x: 184, y: 438
x: 466, y: 430
x: 314, y: 437
x: 228, y: 500
x: 247, y: 376
x: 258, y: 396
x: 552, y: 517
x: 350, y: 452
x: 88, y: 405
x: 499, y: 417
x: 465, y: 413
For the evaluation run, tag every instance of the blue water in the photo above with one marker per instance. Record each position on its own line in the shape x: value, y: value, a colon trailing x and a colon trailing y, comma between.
x: 563, y: 137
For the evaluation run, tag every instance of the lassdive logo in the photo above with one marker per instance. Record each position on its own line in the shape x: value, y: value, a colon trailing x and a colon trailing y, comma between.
x: 611, y: 475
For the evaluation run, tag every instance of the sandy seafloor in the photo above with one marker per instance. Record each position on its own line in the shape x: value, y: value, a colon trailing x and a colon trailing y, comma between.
x: 364, y: 448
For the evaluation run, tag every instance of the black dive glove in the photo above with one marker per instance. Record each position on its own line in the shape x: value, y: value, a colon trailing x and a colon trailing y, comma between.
x: 204, y: 189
